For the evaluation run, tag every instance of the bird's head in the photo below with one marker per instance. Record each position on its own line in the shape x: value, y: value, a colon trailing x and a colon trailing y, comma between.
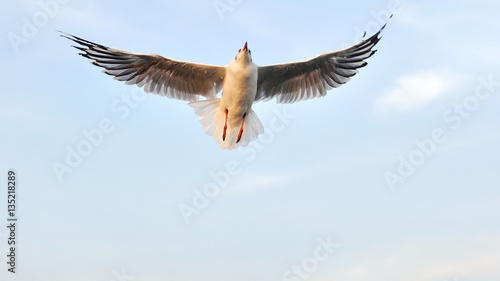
x: 244, y: 55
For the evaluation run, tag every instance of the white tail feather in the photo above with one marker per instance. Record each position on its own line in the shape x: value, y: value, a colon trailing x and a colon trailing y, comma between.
x: 213, y: 118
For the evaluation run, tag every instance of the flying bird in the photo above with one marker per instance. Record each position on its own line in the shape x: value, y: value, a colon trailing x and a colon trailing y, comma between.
x: 230, y: 118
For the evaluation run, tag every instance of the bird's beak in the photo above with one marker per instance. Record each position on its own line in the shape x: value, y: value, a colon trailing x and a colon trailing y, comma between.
x: 245, y: 47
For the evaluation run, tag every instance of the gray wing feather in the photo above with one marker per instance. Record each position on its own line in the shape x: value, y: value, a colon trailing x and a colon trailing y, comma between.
x: 157, y: 74
x: 298, y: 81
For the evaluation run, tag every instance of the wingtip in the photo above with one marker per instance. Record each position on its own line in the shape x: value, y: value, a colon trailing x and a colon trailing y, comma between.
x: 65, y: 35
x: 377, y: 35
x: 385, y: 24
x: 77, y: 39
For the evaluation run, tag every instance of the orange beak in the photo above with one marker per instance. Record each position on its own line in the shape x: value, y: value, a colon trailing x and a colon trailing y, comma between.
x: 245, y: 47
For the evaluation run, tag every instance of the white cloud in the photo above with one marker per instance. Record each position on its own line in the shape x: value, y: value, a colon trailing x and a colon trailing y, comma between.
x: 416, y: 90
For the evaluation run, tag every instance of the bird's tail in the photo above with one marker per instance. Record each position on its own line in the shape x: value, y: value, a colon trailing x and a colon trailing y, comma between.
x: 213, y: 119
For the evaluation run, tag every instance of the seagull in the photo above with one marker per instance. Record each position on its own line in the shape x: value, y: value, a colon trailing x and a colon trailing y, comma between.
x: 230, y: 118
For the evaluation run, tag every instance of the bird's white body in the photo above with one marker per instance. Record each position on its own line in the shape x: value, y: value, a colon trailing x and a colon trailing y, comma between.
x: 234, y: 114
x: 239, y: 89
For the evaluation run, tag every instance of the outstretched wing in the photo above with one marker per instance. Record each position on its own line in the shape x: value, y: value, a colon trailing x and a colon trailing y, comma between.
x: 159, y: 75
x: 298, y: 81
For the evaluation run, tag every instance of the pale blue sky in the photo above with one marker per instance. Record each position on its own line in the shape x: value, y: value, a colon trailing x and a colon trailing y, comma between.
x: 398, y: 168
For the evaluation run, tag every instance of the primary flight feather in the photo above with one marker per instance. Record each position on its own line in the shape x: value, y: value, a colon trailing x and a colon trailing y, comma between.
x: 230, y: 119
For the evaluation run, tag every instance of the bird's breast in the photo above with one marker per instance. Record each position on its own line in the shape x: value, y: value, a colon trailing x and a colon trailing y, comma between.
x: 240, y: 87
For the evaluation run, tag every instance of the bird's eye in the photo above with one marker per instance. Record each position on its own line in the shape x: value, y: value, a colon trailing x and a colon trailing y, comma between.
x: 239, y: 50
x: 250, y: 52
